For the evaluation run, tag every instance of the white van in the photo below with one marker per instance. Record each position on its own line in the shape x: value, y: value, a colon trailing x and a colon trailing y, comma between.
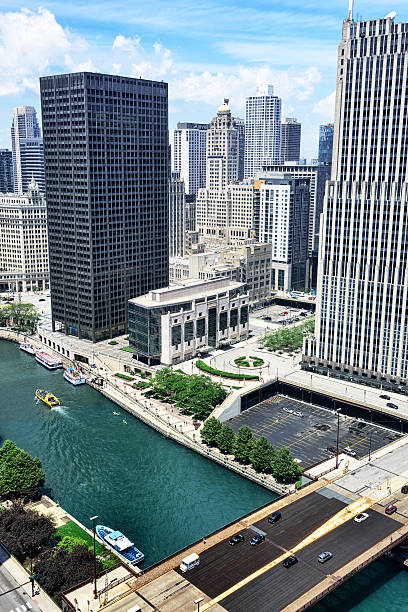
x: 135, y: 609
x: 189, y: 562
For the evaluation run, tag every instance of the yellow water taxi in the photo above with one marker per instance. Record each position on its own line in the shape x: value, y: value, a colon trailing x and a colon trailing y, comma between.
x: 47, y: 397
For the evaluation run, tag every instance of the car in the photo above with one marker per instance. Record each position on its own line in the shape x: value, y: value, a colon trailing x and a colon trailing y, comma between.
x: 391, y: 405
x: 236, y: 539
x: 299, y: 414
x: 332, y: 449
x: 288, y: 410
x: 390, y: 509
x: 363, y: 516
x: 349, y: 451
x: 289, y: 561
x: 383, y: 396
x: 304, y: 314
x: 41, y: 300
x: 275, y: 517
x: 257, y: 539
x: 324, y: 556
x: 404, y: 489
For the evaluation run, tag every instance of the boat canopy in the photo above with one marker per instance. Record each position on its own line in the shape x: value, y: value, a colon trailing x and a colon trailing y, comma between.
x: 118, y: 540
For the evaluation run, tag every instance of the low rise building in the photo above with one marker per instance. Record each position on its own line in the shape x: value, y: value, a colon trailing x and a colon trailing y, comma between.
x: 182, y: 321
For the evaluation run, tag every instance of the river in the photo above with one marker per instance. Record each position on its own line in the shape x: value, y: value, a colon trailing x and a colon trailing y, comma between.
x: 162, y: 495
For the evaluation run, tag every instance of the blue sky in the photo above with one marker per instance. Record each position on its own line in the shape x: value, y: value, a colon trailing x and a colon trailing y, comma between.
x: 206, y: 50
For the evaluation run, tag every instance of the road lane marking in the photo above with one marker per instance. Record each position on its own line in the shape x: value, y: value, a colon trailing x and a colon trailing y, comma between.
x: 29, y: 606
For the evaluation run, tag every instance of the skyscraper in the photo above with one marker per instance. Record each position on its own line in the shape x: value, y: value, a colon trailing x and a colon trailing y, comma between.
x: 361, y: 321
x: 262, y: 130
x: 106, y: 166
x: 240, y: 125
x: 188, y: 143
x: 326, y: 144
x: 6, y: 171
x: 177, y: 215
x: 290, y: 140
x: 27, y: 145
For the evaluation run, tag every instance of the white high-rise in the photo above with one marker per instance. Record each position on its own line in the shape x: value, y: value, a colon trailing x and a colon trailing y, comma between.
x: 188, y: 153
x: 28, y: 152
x: 262, y: 130
x: 362, y: 310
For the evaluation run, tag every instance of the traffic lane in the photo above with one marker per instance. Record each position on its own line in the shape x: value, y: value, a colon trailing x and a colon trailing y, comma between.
x: 281, y: 586
x: 223, y: 565
x: 17, y: 598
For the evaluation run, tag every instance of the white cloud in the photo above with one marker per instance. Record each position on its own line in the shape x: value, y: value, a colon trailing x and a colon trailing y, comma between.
x: 126, y: 44
x: 325, y: 107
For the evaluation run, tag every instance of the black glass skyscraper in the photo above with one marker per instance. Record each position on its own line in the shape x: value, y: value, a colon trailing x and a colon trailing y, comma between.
x: 106, y: 166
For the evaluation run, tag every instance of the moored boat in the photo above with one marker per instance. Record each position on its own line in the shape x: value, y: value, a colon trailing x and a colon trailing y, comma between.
x: 28, y: 348
x: 48, y: 360
x: 74, y: 376
x: 120, y: 544
x: 47, y: 397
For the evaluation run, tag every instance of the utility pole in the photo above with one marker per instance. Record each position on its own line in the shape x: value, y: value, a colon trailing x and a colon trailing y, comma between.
x: 337, y: 443
x: 93, y: 519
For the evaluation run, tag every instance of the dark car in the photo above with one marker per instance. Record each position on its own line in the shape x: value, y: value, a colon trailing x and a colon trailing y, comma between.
x: 390, y: 509
x: 391, y: 405
x: 332, y: 449
x: 383, y: 396
x: 257, y: 539
x: 236, y: 539
x: 41, y: 300
x: 275, y: 517
x: 292, y: 560
x: 404, y: 489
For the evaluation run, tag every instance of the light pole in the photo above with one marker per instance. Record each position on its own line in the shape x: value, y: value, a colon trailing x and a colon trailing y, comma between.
x: 198, y: 601
x: 337, y: 443
x: 93, y: 519
x: 369, y: 448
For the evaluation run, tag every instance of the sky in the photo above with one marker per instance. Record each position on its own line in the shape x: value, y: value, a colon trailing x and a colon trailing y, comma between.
x: 206, y: 50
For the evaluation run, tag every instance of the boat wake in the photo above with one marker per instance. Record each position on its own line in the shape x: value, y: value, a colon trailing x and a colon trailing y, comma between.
x: 60, y: 409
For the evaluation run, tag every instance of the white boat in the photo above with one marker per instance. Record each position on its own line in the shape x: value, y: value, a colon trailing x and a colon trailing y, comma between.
x: 74, y: 376
x: 28, y: 348
x: 48, y: 361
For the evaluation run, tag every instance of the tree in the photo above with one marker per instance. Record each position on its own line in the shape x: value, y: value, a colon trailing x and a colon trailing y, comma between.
x: 210, y: 431
x: 24, y: 532
x: 24, y: 316
x: 284, y: 467
x: 225, y: 439
x: 243, y: 444
x: 18, y: 470
x: 261, y: 455
x: 70, y: 542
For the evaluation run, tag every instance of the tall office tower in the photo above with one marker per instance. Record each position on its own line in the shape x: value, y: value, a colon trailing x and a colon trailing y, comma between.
x: 284, y: 223
x: 240, y: 125
x: 6, y: 171
x: 106, y: 167
x: 361, y: 319
x: 188, y: 146
x: 326, y: 144
x: 262, y: 130
x: 177, y: 215
x: 28, y: 153
x: 290, y: 140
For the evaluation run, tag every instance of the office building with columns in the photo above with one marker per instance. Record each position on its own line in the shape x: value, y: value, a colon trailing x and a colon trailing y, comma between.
x: 28, y: 152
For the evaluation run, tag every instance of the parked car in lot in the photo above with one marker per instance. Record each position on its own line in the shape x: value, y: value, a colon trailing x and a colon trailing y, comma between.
x: 299, y: 414
x: 289, y: 561
x: 391, y: 405
x: 236, y: 539
x: 287, y: 410
x: 349, y: 451
x: 275, y: 517
x: 257, y: 539
x: 324, y: 556
x: 404, y: 489
x: 363, y: 516
x: 332, y: 449
x: 383, y: 396
x: 390, y: 509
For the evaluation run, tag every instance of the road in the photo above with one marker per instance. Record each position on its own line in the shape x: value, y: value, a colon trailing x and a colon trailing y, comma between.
x: 16, y: 601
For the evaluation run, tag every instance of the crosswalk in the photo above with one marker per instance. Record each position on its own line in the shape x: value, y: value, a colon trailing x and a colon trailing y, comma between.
x: 22, y: 607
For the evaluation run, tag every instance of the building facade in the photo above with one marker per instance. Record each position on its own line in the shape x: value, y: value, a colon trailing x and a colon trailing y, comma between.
x: 188, y: 154
x: 326, y: 144
x: 177, y: 323
x: 28, y: 152
x: 6, y: 171
x: 23, y: 241
x: 262, y: 130
x: 177, y: 215
x: 290, y: 140
x: 240, y: 125
x: 107, y: 197
x: 361, y: 317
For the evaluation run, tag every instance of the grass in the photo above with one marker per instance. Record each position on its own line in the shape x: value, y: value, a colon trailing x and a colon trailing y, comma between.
x: 72, y: 529
x: 124, y: 376
x: 126, y: 348
x: 206, y: 368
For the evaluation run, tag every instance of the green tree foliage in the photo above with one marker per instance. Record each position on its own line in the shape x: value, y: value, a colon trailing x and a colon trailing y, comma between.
x: 210, y: 431
x: 69, y: 543
x: 194, y: 394
x: 284, y: 467
x: 24, y: 316
x: 288, y: 338
x: 225, y: 439
x: 262, y: 454
x: 18, y: 470
x: 24, y: 532
x: 243, y: 444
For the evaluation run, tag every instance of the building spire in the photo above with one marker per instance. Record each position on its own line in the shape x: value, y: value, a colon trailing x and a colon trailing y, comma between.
x: 350, y: 11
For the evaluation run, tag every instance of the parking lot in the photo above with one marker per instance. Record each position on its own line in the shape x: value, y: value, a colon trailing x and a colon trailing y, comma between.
x: 307, y: 430
x: 281, y: 314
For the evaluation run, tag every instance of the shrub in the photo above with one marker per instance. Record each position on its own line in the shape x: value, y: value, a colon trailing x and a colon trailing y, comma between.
x: 127, y: 349
x: 25, y: 532
x: 18, y: 470
x: 141, y: 385
x: 124, y: 376
x: 206, y: 368
x: 113, y: 342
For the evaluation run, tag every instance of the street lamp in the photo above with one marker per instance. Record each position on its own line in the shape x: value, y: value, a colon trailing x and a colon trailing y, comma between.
x: 93, y: 519
x: 198, y: 601
x: 337, y: 442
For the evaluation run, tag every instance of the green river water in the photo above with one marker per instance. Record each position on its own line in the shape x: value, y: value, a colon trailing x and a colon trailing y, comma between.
x: 158, y: 493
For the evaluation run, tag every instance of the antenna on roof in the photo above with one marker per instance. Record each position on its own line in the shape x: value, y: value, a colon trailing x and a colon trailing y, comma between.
x: 350, y: 10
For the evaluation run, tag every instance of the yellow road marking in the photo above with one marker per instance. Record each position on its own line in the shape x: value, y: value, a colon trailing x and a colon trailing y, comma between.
x: 335, y: 521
